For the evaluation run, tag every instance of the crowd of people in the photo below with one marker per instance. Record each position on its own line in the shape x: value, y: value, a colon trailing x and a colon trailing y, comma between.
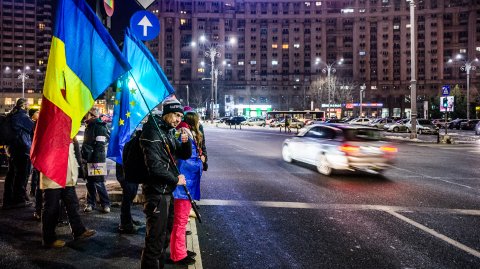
x: 174, y: 153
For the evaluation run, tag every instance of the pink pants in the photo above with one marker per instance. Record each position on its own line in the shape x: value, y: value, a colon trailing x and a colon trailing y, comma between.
x: 178, y: 246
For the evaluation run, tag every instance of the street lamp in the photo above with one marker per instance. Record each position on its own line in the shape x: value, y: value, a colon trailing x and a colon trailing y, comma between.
x: 362, y: 90
x: 467, y: 66
x: 329, y: 70
x: 23, y: 76
x: 413, y: 82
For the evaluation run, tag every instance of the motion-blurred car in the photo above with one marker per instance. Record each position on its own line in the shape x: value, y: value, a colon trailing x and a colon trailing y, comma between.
x: 423, y: 126
x: 332, y: 147
x: 398, y: 126
x: 235, y: 120
x: 254, y: 122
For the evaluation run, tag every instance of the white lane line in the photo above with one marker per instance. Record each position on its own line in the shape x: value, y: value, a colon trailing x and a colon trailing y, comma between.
x: 436, y: 234
x: 298, y: 205
x: 430, y: 177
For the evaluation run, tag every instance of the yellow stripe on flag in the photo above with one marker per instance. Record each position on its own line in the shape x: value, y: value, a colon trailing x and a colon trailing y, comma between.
x: 78, y: 99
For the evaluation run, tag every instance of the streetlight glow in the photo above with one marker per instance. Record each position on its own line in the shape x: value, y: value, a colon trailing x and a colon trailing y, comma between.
x: 329, y: 69
x: 23, y: 76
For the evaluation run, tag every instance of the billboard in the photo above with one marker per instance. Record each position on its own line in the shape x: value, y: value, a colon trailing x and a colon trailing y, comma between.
x: 447, y: 103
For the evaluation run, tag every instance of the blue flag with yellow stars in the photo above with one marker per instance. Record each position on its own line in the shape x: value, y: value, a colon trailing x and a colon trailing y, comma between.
x: 147, y: 78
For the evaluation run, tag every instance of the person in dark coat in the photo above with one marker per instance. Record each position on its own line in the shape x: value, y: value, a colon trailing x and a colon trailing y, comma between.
x: 159, y: 146
x: 35, y: 190
x: 15, y: 193
x: 93, y: 151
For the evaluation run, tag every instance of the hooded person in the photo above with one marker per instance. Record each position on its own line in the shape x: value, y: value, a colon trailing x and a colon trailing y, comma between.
x: 160, y: 147
x: 93, y: 153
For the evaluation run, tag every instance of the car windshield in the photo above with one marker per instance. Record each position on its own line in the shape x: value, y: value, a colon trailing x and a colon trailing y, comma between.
x: 362, y: 135
x: 424, y: 122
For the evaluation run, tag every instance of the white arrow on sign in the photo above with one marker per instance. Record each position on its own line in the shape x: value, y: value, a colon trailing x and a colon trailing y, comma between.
x: 145, y: 23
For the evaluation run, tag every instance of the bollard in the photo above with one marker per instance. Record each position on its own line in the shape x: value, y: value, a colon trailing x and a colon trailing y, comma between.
x: 438, y: 135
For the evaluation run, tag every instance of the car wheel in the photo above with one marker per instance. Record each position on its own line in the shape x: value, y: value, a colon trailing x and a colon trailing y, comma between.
x: 286, y: 154
x: 420, y: 131
x: 323, y: 166
x: 408, y: 130
x: 395, y: 129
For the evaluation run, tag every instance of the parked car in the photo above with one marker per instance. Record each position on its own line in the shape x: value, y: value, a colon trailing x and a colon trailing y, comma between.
x: 440, y: 123
x: 455, y: 124
x: 468, y: 125
x: 360, y: 121
x: 255, y: 121
x: 398, y: 126
x: 277, y: 122
x: 294, y: 123
x: 423, y: 126
x: 235, y: 120
x: 332, y: 147
x: 477, y: 128
x: 379, y: 123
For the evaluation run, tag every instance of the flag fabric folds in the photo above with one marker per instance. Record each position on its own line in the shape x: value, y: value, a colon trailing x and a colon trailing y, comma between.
x: 84, y: 60
x: 130, y: 108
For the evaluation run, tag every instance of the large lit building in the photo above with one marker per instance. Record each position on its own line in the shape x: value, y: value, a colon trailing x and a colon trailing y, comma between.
x: 25, y: 35
x: 282, y: 47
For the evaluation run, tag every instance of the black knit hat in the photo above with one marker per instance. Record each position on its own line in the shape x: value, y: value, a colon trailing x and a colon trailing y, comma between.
x: 171, y: 106
x: 32, y: 111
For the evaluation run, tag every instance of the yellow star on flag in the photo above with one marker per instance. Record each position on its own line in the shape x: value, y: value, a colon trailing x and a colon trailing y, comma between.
x: 132, y: 103
x: 127, y: 114
x: 119, y: 89
x: 117, y: 102
x: 121, y: 122
x: 133, y: 91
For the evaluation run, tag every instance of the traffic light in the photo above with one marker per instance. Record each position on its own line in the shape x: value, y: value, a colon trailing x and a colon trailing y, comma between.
x: 445, y: 102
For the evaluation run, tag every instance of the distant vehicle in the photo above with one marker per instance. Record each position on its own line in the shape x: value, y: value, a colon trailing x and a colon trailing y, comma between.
x: 332, y: 147
x: 398, y: 126
x: 294, y: 123
x: 423, y: 126
x: 477, y: 128
x: 360, y: 121
x: 468, y: 125
x: 235, y: 120
x: 379, y: 123
x: 255, y: 121
x: 440, y: 123
x: 455, y: 124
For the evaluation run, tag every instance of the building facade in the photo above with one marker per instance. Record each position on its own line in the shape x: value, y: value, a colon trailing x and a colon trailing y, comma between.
x: 284, y: 50
x: 25, y: 36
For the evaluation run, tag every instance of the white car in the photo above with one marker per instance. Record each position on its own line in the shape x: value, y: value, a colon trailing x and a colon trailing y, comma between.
x: 333, y: 147
x: 254, y: 122
x: 360, y: 121
x: 423, y: 127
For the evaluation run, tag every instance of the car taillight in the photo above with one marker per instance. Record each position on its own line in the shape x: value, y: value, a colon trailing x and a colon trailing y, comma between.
x: 389, y: 149
x: 349, y: 148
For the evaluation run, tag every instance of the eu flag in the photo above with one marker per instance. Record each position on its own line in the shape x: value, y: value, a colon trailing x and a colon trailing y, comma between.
x: 145, y: 78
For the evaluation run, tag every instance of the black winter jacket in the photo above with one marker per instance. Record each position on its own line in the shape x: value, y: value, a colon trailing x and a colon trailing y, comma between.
x: 23, y: 126
x: 163, y: 175
x: 93, y: 149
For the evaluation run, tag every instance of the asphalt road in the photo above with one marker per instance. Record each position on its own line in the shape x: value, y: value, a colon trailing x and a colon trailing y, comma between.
x: 261, y: 212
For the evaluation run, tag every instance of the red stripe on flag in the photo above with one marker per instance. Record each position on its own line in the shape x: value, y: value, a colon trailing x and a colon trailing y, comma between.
x: 51, y: 142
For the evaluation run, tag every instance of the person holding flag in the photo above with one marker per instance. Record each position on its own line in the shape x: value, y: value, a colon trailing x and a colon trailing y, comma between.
x: 140, y: 90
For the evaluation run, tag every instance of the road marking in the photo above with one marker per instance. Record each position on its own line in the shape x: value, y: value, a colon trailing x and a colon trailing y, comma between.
x: 436, y: 234
x: 430, y: 177
x: 388, y: 209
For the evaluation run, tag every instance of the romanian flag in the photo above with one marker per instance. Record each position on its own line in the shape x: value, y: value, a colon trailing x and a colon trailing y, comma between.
x: 146, y: 78
x: 84, y: 60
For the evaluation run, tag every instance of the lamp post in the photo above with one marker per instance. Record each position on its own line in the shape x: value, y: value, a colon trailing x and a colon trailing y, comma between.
x: 188, y: 96
x: 362, y: 90
x: 329, y: 69
x: 23, y: 76
x: 413, y: 82
x: 467, y: 66
x: 211, y: 53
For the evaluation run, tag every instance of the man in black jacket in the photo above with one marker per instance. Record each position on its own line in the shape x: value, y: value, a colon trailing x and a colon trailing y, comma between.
x: 15, y: 193
x: 159, y: 148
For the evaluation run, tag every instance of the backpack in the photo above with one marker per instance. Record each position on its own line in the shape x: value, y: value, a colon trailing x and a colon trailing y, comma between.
x: 134, y: 167
x: 7, y: 134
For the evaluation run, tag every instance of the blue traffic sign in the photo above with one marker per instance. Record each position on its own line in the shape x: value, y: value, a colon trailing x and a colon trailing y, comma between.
x: 446, y: 90
x: 145, y: 25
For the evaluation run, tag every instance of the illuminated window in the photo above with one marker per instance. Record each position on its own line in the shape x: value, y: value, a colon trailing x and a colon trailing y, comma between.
x: 318, y: 3
x: 285, y: 46
x: 40, y: 62
x: 253, y: 62
x: 41, y: 26
x: 296, y: 45
x: 373, y: 87
x: 477, y: 48
x: 274, y: 62
x: 241, y: 63
x: 183, y: 21
x: 463, y: 50
x: 183, y: 61
x: 396, y: 27
x: 274, y: 46
x: 8, y: 101
x: 408, y: 25
x: 307, y: 4
x: 201, y: 70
